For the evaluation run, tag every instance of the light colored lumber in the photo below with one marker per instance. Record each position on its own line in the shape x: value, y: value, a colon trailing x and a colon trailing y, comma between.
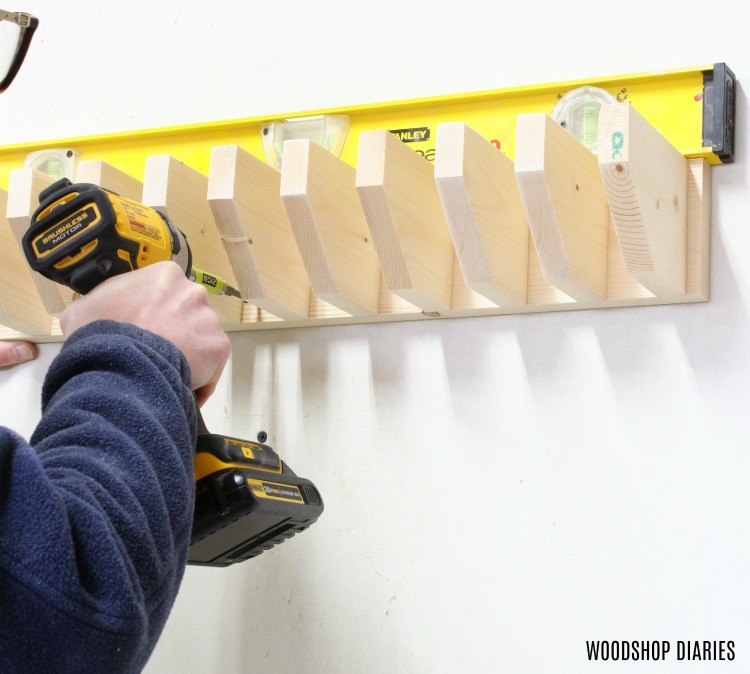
x: 565, y: 206
x: 323, y: 313
x: 21, y: 307
x: 179, y: 192
x: 110, y: 178
x: 645, y: 179
x: 244, y: 197
x: 24, y: 187
x: 623, y: 290
x: 539, y: 291
x: 620, y: 284
x: 698, y: 229
x: 55, y: 335
x: 401, y: 203
x: 321, y: 201
x: 480, y: 195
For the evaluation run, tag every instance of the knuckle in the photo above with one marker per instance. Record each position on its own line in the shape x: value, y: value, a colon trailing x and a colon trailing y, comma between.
x: 197, y: 292
x: 220, y: 345
x: 66, y: 319
x: 169, y: 267
x: 166, y: 273
x: 226, y: 347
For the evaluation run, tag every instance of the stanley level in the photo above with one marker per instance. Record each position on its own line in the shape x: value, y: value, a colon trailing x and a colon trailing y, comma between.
x: 692, y: 107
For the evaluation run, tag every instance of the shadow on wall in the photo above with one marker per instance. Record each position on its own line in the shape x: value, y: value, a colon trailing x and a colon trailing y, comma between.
x: 495, y: 376
x: 500, y: 376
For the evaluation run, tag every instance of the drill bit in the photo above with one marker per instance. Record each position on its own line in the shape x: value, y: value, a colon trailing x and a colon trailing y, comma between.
x: 212, y: 283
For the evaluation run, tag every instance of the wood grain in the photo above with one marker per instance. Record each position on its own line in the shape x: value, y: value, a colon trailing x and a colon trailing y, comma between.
x: 565, y: 205
x: 179, y: 192
x: 21, y: 307
x: 323, y: 207
x: 244, y: 197
x: 24, y: 187
x: 646, y: 185
x: 400, y: 200
x: 482, y: 202
x: 110, y: 178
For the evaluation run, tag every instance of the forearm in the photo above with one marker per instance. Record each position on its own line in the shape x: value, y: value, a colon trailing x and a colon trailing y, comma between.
x: 97, y: 515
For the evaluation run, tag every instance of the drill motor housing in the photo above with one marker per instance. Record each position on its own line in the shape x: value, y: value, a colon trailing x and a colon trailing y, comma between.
x: 82, y: 234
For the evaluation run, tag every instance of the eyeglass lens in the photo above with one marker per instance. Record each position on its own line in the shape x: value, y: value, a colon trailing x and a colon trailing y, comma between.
x: 10, y: 35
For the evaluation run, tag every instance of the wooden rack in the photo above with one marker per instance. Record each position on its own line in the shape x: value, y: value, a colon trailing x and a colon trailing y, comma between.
x: 397, y: 237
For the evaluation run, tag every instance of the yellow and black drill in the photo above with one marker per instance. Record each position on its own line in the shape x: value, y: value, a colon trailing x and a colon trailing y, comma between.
x: 82, y: 235
x: 247, y: 498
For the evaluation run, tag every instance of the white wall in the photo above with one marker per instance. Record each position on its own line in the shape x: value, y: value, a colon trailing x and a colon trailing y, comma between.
x: 498, y: 490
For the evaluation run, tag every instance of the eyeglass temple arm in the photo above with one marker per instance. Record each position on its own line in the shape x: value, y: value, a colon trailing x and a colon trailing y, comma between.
x: 21, y: 18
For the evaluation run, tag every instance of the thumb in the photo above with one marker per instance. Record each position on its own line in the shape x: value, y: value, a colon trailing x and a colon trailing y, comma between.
x: 13, y: 353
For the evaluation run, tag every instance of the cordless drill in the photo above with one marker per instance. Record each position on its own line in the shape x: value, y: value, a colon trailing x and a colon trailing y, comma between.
x: 247, y: 499
x: 82, y: 235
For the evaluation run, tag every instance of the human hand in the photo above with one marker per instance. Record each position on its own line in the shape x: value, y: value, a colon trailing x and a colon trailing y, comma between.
x: 159, y: 298
x: 13, y: 353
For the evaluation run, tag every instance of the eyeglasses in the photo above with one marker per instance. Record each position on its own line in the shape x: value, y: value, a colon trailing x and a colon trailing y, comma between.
x: 16, y: 31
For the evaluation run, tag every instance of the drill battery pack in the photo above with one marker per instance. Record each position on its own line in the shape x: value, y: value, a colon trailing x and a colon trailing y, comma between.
x: 247, y: 500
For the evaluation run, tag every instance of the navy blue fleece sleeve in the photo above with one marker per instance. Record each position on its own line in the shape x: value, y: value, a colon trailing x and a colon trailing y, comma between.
x: 96, y: 512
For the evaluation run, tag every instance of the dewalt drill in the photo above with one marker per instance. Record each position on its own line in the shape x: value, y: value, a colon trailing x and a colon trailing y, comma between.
x: 247, y: 499
x: 82, y: 235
